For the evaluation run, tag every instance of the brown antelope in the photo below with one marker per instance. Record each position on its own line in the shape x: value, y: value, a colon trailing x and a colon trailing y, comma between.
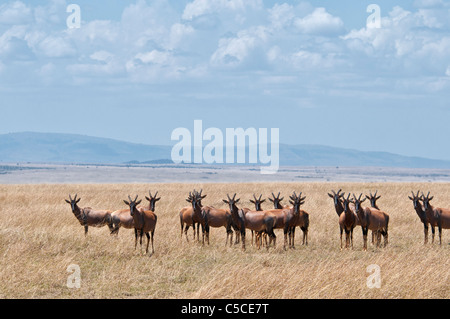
x: 347, y: 222
x: 373, y: 203
x: 257, y: 221
x: 338, y: 206
x: 276, y: 200
x: 144, y: 221
x: 189, y: 216
x: 421, y: 213
x: 88, y: 216
x: 292, y: 217
x: 215, y: 217
x: 123, y: 218
x: 373, y: 219
x: 257, y: 202
x: 437, y: 217
x: 302, y: 221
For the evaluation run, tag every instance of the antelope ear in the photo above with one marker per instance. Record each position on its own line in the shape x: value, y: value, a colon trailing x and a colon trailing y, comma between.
x: 367, y: 197
x: 157, y: 199
x: 431, y: 198
x: 302, y: 202
x: 225, y: 201
x: 237, y: 201
x: 363, y: 200
x: 330, y: 195
x: 262, y: 201
x: 377, y: 198
x: 137, y: 203
x: 252, y: 201
x: 202, y: 196
x: 271, y: 199
x: 188, y: 200
x: 67, y: 201
x: 291, y: 202
x: 146, y: 197
x: 410, y: 198
x: 127, y: 203
x: 78, y: 200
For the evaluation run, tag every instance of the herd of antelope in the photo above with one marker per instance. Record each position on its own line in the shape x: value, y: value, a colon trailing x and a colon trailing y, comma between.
x: 261, y: 223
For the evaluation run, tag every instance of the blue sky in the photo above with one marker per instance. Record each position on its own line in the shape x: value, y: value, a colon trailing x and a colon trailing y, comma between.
x: 136, y: 70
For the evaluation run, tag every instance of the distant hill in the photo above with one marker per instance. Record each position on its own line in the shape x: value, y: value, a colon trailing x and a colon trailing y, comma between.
x: 72, y: 148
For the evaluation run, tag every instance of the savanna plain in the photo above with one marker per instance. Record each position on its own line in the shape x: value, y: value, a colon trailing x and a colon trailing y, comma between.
x: 40, y: 238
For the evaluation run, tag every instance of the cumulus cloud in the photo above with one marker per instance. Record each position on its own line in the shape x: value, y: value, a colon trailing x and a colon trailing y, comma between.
x: 320, y: 22
x: 15, y: 13
x: 201, y: 7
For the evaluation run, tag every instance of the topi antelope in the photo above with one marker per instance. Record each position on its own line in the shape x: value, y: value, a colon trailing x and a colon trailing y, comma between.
x: 257, y: 221
x: 215, y: 217
x: 291, y: 218
x: 276, y: 200
x: 123, y: 218
x: 191, y: 215
x: 437, y: 217
x: 373, y: 203
x: 421, y: 213
x: 347, y: 222
x: 88, y: 216
x: 144, y: 221
x: 338, y: 205
x: 257, y: 202
x: 301, y: 221
x: 373, y: 219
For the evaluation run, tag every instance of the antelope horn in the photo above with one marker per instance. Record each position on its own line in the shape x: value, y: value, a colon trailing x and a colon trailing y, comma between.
x: 229, y: 199
x: 234, y: 196
x: 254, y: 197
x: 70, y: 197
x: 75, y: 198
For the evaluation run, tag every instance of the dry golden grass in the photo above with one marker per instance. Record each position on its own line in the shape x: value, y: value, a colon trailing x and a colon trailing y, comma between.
x: 40, y: 238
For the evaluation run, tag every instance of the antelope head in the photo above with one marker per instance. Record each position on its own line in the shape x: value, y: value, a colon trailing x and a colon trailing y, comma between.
x: 197, y: 199
x: 276, y: 200
x: 358, y: 201
x: 73, y: 202
x: 132, y: 203
x: 426, y: 201
x: 373, y: 199
x: 416, y: 200
x: 346, y: 202
x: 232, y: 202
x: 152, y: 200
x: 297, y: 201
x: 257, y: 202
x: 337, y: 196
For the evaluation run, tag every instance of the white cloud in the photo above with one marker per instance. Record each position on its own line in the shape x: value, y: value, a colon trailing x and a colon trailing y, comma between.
x: 15, y: 13
x: 56, y: 47
x: 201, y: 7
x: 320, y: 22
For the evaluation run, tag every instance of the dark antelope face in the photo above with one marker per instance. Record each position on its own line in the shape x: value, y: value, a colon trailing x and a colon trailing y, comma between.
x: 297, y: 201
x: 426, y: 201
x: 358, y: 201
x: 152, y: 200
x: 196, y: 199
x: 257, y: 202
x: 133, y: 204
x: 276, y: 200
x: 73, y: 202
x: 336, y: 197
x: 346, y: 202
x: 373, y: 199
x: 232, y: 202
x: 416, y: 199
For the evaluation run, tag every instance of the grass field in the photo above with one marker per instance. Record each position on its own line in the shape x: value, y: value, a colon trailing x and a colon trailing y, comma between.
x: 40, y: 238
